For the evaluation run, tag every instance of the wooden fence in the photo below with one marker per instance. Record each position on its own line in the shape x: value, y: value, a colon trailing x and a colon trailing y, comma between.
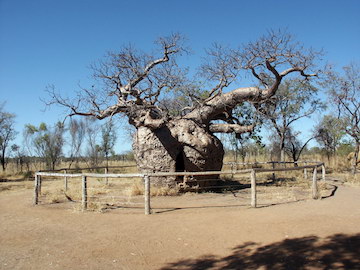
x: 147, y: 178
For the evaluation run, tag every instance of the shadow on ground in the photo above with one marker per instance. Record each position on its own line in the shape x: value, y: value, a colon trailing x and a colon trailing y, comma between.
x: 335, y: 252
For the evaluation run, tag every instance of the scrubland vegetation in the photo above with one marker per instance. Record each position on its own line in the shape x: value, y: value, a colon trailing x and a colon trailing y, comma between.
x: 174, y: 120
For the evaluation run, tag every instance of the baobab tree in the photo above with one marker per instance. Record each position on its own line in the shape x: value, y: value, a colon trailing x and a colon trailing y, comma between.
x: 139, y: 86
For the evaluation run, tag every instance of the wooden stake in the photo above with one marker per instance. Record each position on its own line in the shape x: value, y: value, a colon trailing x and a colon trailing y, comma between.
x: 147, y: 195
x: 253, y: 188
x: 39, y: 184
x: 65, y: 181
x: 84, y: 193
x: 36, y: 190
x: 106, y: 179
x: 323, y: 171
x: 305, y: 174
x: 315, y: 191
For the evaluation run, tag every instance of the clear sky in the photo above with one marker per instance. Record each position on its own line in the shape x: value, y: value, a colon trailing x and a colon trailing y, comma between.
x: 46, y: 42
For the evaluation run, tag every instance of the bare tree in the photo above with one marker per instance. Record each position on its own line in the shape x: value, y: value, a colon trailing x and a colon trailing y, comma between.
x: 293, y: 146
x: 344, y: 90
x: 7, y: 134
x: 295, y: 100
x: 93, y: 149
x: 77, y: 130
x: 108, y: 139
x: 20, y: 157
x: 134, y: 83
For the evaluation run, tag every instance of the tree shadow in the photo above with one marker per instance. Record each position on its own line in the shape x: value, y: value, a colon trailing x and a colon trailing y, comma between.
x: 338, y: 251
x: 333, y: 191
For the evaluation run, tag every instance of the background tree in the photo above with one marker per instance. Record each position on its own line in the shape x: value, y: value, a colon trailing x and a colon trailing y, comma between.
x: 93, y: 149
x: 108, y: 136
x: 328, y: 133
x: 294, y: 100
x: 240, y: 143
x: 7, y: 134
x: 344, y: 91
x: 20, y: 157
x: 47, y: 142
x: 77, y: 129
x: 293, y: 146
x: 133, y: 84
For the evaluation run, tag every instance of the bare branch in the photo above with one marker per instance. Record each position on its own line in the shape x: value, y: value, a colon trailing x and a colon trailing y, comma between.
x: 230, y: 128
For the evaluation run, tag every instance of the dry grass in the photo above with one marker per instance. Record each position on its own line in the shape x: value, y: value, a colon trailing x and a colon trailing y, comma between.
x: 287, y: 186
x: 348, y: 178
x: 137, y: 189
x: 9, y: 185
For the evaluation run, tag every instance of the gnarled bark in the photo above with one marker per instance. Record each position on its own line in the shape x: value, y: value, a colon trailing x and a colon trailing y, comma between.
x: 180, y: 145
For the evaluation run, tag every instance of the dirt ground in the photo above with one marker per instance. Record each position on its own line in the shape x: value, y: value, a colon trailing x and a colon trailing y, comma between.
x: 199, y: 231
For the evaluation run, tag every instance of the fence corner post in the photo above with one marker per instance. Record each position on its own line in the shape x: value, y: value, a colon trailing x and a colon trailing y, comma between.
x: 84, y: 200
x: 65, y: 181
x: 147, y: 195
x: 106, y: 179
x: 39, y: 184
x: 253, y: 188
x: 315, y: 190
x: 36, y: 189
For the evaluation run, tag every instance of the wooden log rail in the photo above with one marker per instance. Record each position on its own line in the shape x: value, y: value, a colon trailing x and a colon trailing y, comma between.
x: 147, y: 177
x: 93, y: 168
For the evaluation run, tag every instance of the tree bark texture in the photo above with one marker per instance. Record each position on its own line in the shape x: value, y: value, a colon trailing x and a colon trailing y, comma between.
x: 180, y: 145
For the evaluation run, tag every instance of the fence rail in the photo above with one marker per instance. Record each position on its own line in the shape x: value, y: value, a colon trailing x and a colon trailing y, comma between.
x: 147, y: 177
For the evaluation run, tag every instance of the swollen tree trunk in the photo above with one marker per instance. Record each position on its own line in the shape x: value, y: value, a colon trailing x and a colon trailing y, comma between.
x: 180, y: 145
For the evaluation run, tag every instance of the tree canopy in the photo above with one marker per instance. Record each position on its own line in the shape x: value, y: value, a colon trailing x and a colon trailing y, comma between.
x: 134, y: 83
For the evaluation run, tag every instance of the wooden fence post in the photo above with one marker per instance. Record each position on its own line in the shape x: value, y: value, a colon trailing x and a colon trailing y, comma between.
x: 323, y: 171
x: 305, y: 174
x: 84, y: 200
x: 232, y: 171
x: 106, y: 179
x: 36, y: 189
x: 253, y: 188
x: 147, y: 195
x: 315, y: 191
x: 65, y: 181
x: 39, y: 184
x: 273, y: 174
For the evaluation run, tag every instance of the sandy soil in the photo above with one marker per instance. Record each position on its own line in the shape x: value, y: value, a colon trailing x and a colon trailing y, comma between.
x: 183, y: 233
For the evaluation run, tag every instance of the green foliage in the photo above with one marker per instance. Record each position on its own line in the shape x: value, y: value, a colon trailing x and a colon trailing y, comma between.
x: 345, y: 148
x: 240, y: 144
x: 108, y: 136
x: 47, y: 142
x: 329, y: 132
x: 7, y: 134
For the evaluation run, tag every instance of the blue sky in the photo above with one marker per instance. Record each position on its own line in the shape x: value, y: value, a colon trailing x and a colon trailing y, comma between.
x: 46, y: 42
